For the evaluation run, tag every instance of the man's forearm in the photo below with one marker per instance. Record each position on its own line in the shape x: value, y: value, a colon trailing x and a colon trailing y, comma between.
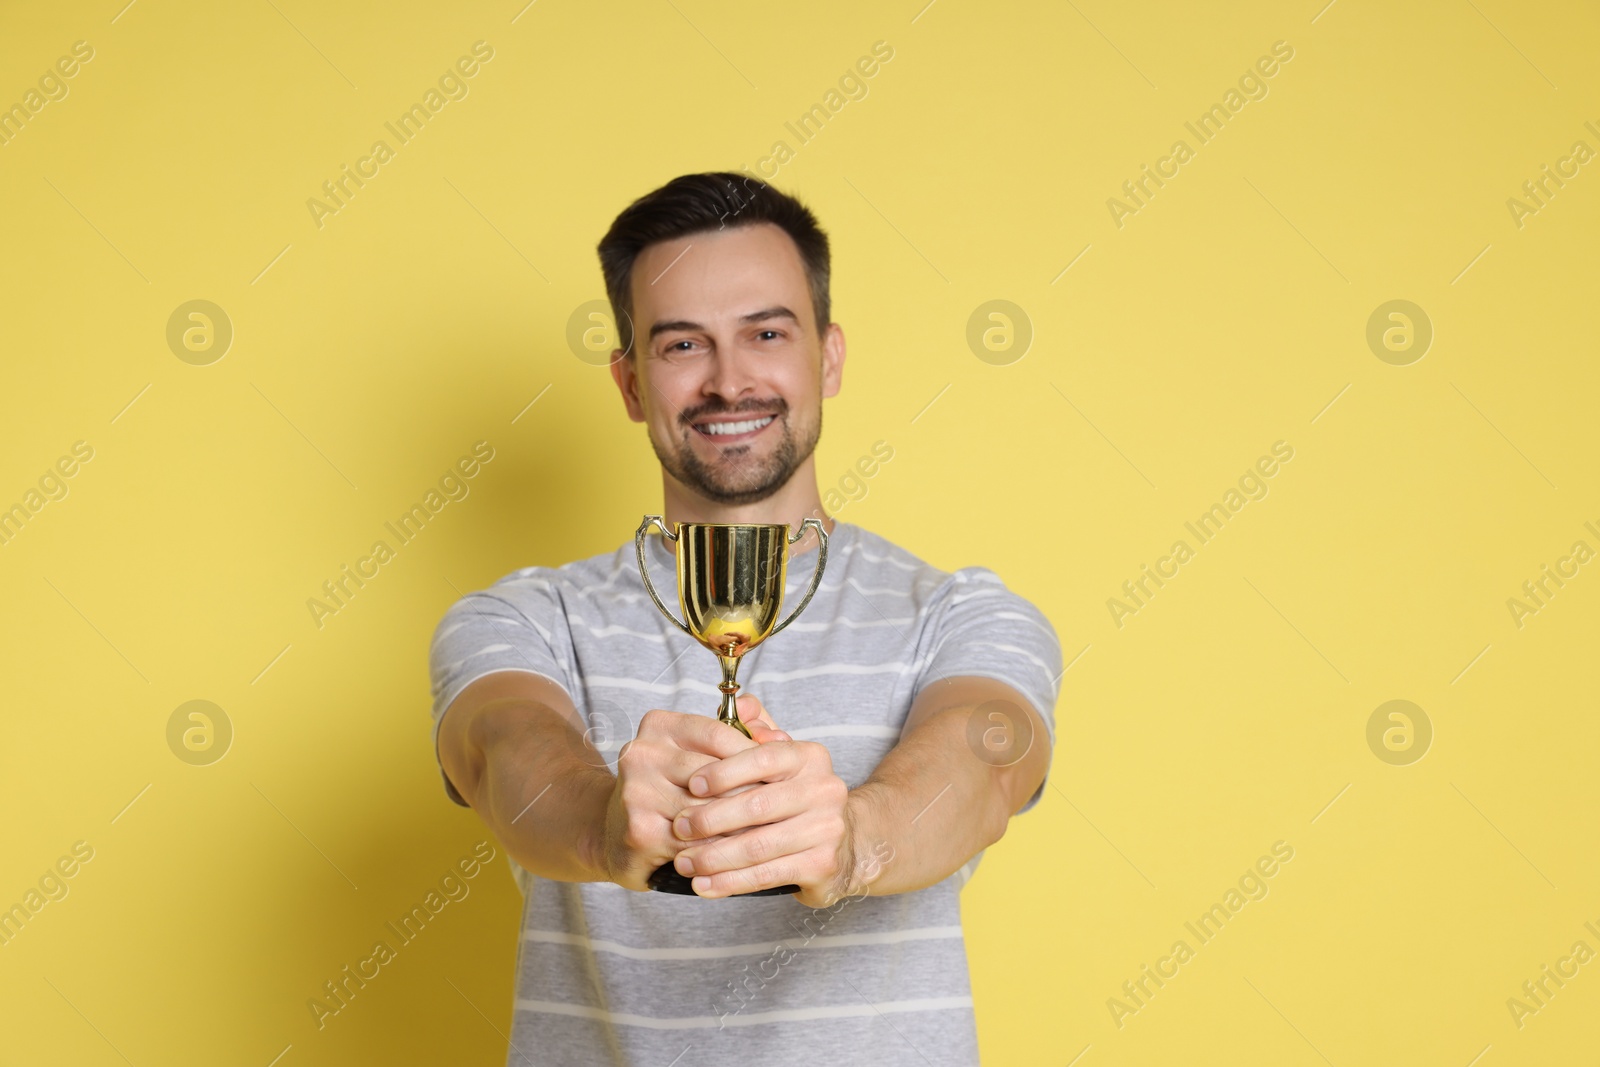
x: 934, y: 802
x: 545, y: 803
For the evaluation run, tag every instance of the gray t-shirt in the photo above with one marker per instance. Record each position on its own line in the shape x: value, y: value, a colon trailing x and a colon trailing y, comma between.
x: 606, y: 975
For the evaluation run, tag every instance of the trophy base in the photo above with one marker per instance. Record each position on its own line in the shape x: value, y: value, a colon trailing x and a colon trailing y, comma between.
x: 666, y: 879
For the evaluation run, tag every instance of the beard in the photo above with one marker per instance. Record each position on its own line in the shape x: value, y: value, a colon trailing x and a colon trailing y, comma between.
x: 739, y: 474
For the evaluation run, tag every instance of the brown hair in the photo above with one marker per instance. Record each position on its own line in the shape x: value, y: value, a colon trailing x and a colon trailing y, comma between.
x: 696, y: 203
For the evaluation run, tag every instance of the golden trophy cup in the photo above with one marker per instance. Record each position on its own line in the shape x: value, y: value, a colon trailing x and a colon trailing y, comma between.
x: 730, y: 587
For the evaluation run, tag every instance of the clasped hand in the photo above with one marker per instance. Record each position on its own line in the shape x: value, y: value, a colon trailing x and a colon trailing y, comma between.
x: 736, y: 814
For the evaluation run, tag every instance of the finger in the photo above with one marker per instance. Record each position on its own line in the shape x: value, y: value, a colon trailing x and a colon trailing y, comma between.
x: 670, y: 801
x: 694, y: 733
x: 783, y: 870
x: 682, y: 764
x: 752, y: 711
x: 643, y: 861
x: 750, y: 807
x: 770, y: 761
x: 710, y: 841
x: 655, y: 777
x: 747, y: 848
x: 761, y: 735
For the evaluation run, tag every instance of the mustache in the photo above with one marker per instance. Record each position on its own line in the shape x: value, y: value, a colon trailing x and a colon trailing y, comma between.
x: 756, y: 408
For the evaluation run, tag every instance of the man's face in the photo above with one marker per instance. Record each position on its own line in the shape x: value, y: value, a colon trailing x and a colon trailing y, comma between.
x: 728, y: 372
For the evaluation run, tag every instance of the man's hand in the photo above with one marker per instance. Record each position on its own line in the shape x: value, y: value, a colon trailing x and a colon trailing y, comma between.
x: 775, y: 815
x: 653, y: 772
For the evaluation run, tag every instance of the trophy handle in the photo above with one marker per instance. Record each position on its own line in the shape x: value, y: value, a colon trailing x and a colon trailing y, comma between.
x: 644, y: 570
x: 816, y: 576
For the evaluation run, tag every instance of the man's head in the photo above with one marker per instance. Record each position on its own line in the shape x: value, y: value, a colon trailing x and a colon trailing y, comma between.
x: 719, y: 286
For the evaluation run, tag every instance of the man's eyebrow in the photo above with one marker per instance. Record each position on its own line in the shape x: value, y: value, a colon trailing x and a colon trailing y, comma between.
x: 777, y: 311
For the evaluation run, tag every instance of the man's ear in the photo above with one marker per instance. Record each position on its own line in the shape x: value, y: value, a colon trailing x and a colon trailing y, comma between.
x: 832, y: 359
x: 626, y: 375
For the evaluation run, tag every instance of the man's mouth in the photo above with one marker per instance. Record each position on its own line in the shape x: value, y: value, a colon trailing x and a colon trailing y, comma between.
x: 725, y: 430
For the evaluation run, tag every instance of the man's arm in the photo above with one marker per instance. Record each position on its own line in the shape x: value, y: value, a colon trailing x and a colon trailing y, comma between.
x: 972, y: 752
x: 515, y: 748
x: 513, y: 745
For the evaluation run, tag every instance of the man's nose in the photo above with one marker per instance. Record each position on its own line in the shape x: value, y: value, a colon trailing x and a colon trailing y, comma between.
x: 729, y: 376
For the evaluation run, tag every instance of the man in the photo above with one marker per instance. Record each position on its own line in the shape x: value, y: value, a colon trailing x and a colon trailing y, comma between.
x: 896, y: 726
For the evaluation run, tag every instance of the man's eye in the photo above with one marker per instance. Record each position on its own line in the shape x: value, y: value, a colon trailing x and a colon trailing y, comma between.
x: 774, y: 333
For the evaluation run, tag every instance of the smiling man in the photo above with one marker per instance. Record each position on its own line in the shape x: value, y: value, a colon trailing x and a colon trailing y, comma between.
x: 896, y: 727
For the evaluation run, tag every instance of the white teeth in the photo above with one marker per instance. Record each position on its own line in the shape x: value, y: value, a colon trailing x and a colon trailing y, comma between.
x: 721, y: 428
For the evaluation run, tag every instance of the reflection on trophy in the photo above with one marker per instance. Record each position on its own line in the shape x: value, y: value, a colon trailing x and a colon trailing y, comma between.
x: 730, y: 587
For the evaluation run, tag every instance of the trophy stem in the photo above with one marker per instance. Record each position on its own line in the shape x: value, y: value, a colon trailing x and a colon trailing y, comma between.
x: 728, y: 712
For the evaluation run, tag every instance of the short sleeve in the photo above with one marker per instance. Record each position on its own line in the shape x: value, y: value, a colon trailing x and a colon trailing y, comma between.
x: 984, y: 629
x: 517, y: 624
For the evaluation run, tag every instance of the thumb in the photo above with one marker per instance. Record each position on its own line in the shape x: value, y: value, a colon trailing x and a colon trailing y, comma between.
x: 753, y: 715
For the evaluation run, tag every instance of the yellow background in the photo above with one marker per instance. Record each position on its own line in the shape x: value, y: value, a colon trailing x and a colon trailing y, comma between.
x: 428, y: 313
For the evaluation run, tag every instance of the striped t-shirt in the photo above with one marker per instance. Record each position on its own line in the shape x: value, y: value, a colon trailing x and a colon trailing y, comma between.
x: 606, y: 975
